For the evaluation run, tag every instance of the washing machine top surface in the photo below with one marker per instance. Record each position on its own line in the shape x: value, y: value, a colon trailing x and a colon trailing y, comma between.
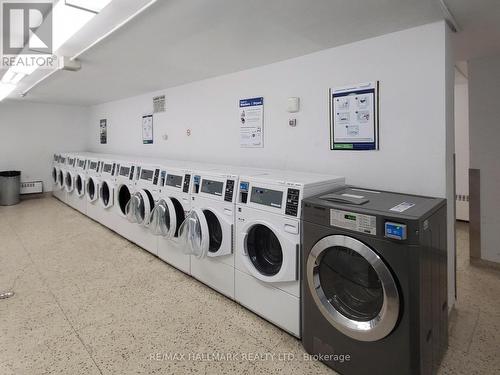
x: 379, y: 202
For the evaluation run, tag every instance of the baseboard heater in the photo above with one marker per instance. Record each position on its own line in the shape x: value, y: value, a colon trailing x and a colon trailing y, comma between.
x: 31, y: 187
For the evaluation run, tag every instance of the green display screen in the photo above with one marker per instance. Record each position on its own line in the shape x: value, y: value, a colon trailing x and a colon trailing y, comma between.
x: 350, y: 217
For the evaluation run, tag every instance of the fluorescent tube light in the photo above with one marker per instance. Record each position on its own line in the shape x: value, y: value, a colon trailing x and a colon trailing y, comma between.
x: 94, y: 6
x: 12, y: 77
x: 67, y: 21
x: 5, y: 90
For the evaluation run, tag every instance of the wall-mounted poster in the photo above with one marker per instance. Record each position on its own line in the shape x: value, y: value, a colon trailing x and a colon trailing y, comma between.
x: 159, y: 104
x: 103, y: 131
x: 252, y: 122
x: 147, y: 129
x: 354, y: 117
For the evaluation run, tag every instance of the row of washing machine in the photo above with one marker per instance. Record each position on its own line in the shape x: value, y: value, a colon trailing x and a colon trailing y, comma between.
x: 235, y: 229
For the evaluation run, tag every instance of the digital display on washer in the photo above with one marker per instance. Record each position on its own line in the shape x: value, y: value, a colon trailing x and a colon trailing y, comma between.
x: 212, y: 187
x: 174, y: 180
x: 93, y: 165
x: 124, y: 171
x: 107, y: 168
x: 267, y: 197
x: 147, y: 175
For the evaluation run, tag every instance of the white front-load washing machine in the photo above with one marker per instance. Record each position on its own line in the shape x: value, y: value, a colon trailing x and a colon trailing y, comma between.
x: 267, y: 261
x: 141, y: 204
x: 107, y: 187
x: 170, y: 211
x: 92, y: 187
x: 207, y: 232
x: 78, y: 200
x: 58, y: 190
x: 75, y: 197
x: 125, y: 179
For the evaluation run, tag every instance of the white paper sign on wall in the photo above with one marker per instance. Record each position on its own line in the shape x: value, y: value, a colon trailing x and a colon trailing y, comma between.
x: 147, y: 129
x: 159, y: 104
x: 354, y: 117
x: 252, y: 122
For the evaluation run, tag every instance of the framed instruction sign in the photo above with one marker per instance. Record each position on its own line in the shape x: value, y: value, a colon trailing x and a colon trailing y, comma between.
x: 147, y: 129
x: 354, y: 117
x: 251, y: 122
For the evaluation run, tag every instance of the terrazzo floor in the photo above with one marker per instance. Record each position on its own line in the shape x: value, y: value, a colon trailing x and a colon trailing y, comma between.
x: 89, y: 302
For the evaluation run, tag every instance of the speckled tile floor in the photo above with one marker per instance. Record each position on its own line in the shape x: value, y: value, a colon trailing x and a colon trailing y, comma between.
x: 89, y: 302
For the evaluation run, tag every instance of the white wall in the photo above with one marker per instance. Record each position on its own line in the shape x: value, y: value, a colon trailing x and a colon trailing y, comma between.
x: 409, y: 65
x: 32, y: 132
x: 484, y: 132
x: 462, y: 147
x: 416, y: 116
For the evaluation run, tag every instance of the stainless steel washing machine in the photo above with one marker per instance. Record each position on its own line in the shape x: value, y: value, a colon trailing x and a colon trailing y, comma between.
x: 375, y: 281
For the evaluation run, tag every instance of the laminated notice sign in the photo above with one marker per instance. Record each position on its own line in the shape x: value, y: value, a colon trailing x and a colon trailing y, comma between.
x: 251, y: 122
x: 103, y: 131
x: 147, y: 129
x: 354, y: 117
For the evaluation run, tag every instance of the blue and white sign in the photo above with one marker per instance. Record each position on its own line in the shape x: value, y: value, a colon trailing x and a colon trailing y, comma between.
x: 354, y: 117
x: 252, y: 122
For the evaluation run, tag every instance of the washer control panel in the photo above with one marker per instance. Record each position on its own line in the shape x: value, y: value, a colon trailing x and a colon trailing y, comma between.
x: 187, y: 181
x: 353, y: 221
x: 292, y: 202
x: 228, y: 194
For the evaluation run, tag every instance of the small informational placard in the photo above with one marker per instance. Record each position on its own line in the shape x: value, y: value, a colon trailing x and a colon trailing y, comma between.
x: 354, y: 117
x: 147, y: 129
x: 159, y: 104
x: 103, y: 131
x: 252, y: 122
x: 402, y: 207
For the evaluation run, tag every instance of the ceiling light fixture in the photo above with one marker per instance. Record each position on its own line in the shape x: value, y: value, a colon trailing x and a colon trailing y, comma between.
x: 6, y: 89
x: 93, y: 44
x: 94, y: 6
x: 13, y: 77
x: 68, y: 17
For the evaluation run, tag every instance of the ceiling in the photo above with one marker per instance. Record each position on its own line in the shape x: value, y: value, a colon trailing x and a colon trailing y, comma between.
x: 480, y: 24
x: 177, y: 41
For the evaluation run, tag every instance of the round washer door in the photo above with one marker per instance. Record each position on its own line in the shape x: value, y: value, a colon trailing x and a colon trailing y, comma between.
x: 131, y: 207
x: 194, y: 234
x: 269, y: 255
x: 80, y: 185
x: 55, y: 173
x: 264, y: 250
x: 353, y: 288
x: 92, y: 190
x: 163, y: 220
x: 69, y: 181
x: 124, y: 197
x: 143, y: 207
x: 106, y: 194
x: 60, y: 179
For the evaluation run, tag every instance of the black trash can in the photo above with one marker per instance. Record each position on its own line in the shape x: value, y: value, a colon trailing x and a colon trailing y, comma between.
x: 10, y: 187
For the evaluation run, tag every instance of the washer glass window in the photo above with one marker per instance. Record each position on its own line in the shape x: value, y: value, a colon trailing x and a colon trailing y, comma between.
x: 179, y: 213
x: 353, y: 287
x: 91, y: 188
x: 79, y: 184
x: 69, y: 180
x: 123, y: 198
x: 214, y: 230
x: 105, y: 193
x: 350, y: 283
x: 264, y: 250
